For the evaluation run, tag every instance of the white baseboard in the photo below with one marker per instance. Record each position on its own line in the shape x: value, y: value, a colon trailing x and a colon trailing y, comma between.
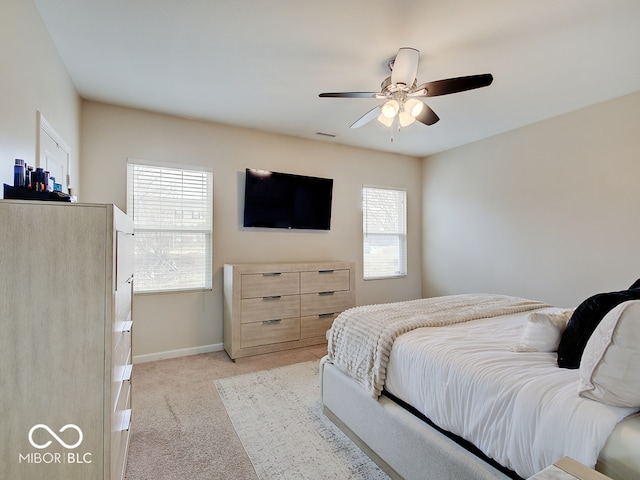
x: 183, y: 352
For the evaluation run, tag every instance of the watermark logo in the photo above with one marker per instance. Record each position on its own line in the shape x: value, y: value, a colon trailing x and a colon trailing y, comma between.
x: 56, y: 437
x: 39, y: 457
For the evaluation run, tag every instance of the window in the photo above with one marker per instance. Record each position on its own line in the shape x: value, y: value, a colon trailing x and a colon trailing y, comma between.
x: 384, y: 227
x: 171, y: 207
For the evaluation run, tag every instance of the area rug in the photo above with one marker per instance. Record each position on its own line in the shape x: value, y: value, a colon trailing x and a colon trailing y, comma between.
x: 278, y: 416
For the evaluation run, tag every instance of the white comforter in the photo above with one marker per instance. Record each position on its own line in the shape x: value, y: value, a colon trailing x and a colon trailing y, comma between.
x: 361, y: 338
x: 519, y: 408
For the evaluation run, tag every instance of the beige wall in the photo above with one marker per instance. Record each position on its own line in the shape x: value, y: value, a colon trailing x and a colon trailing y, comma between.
x: 549, y: 211
x: 33, y: 79
x: 192, y: 321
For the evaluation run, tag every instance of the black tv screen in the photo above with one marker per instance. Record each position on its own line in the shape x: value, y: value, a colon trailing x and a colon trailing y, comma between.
x: 284, y: 200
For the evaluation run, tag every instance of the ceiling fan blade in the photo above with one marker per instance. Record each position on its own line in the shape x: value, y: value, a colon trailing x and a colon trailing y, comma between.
x: 405, y: 66
x: 455, y: 85
x: 427, y: 116
x: 367, y: 117
x: 350, y: 94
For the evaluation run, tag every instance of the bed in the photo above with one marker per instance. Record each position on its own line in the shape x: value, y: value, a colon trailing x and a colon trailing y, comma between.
x: 471, y: 387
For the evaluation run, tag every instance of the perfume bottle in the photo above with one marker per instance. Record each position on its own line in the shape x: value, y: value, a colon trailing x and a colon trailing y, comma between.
x: 18, y: 173
x: 37, y: 179
x: 28, y: 175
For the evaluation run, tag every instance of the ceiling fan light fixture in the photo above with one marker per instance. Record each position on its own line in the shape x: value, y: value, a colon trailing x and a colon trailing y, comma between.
x: 390, y: 109
x: 387, y: 122
x: 405, y: 118
x: 414, y: 107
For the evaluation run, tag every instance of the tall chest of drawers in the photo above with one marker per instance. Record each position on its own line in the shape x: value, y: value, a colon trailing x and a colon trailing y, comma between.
x: 272, y: 307
x: 66, y: 293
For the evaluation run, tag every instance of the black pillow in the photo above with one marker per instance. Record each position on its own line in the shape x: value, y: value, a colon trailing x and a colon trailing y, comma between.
x: 584, y: 321
x: 636, y: 284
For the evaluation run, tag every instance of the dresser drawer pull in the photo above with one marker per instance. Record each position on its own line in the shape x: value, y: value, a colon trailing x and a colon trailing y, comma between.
x: 126, y: 420
x: 126, y: 377
x: 326, y: 271
x: 325, y: 294
x: 272, y: 322
x: 271, y: 274
x: 127, y: 326
x: 326, y: 315
x: 273, y: 297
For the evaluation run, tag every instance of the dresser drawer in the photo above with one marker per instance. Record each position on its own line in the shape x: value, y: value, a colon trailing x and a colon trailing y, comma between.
x: 120, y: 371
x: 125, y: 249
x: 316, y: 325
x: 121, y: 354
x: 123, y: 401
x: 270, y: 308
x: 120, y: 426
x: 121, y: 339
x: 325, y: 302
x: 269, y: 332
x: 270, y: 284
x: 124, y: 299
x: 119, y: 447
x: 324, y: 281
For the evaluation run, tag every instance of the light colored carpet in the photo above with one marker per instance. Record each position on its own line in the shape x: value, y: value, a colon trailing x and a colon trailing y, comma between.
x: 277, y: 416
x: 180, y: 429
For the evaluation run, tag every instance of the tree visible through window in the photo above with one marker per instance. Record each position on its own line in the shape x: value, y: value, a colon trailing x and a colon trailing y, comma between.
x: 385, y: 232
x: 171, y: 207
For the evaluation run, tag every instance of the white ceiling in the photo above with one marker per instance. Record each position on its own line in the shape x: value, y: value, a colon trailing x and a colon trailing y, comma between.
x: 262, y: 63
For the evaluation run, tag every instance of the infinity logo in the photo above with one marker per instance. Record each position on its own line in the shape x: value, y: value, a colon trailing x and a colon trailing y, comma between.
x: 59, y: 440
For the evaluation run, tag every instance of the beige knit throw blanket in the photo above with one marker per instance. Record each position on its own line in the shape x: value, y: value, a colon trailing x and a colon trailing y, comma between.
x: 360, y: 339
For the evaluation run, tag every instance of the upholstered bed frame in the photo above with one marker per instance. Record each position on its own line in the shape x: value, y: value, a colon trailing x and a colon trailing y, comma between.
x: 400, y: 443
x: 404, y: 446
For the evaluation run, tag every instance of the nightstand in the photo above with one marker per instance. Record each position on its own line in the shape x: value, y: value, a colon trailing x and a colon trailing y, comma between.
x: 568, y: 469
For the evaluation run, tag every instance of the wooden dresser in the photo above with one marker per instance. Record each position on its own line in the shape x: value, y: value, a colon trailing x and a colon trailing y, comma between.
x: 279, y: 306
x: 66, y: 293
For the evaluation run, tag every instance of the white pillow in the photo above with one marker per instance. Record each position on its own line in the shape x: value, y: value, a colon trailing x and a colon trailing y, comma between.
x: 542, y: 332
x: 609, y: 368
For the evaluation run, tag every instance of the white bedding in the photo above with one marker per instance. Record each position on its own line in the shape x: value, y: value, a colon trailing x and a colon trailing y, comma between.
x: 519, y: 408
x: 361, y: 338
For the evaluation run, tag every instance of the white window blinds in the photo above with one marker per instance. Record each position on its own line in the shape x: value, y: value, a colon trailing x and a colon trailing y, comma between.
x: 384, y: 232
x: 172, y: 211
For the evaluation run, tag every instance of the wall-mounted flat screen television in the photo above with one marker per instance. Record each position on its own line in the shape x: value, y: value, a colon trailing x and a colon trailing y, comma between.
x: 284, y: 200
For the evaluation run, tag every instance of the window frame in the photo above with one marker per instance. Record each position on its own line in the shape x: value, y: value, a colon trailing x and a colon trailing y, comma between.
x: 207, y: 284
x: 401, y: 235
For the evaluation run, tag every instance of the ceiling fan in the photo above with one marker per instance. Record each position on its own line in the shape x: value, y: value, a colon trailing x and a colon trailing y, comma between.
x: 402, y: 94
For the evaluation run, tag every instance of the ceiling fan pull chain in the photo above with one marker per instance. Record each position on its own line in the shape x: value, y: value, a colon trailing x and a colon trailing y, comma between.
x: 395, y: 122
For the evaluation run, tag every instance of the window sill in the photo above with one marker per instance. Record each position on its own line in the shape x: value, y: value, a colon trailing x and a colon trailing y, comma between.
x: 171, y: 292
x: 388, y: 277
